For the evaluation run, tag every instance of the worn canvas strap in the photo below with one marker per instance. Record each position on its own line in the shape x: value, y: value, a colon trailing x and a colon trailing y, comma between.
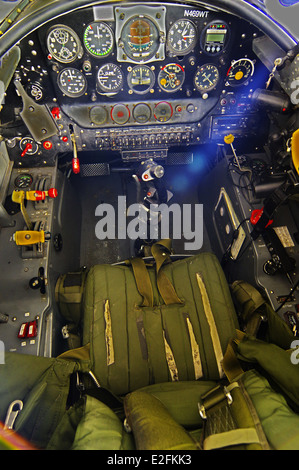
x: 161, y: 253
x: 230, y: 419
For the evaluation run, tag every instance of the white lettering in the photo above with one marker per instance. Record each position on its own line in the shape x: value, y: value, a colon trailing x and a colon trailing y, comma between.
x: 295, y: 95
x: 196, y: 13
x: 153, y: 221
x: 2, y: 353
x: 295, y: 354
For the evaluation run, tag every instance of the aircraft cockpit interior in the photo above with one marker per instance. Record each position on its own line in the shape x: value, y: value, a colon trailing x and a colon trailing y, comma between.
x: 124, y: 125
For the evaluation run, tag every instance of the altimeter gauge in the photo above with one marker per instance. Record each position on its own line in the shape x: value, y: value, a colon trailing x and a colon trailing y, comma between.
x: 72, y: 82
x: 98, y: 39
x: 182, y: 37
x: 206, y: 77
x: 63, y: 44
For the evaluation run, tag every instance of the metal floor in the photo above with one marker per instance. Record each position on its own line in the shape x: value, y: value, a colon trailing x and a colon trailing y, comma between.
x: 106, y: 189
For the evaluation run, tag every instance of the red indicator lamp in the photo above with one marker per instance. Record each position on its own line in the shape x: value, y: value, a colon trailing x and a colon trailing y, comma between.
x: 76, y: 165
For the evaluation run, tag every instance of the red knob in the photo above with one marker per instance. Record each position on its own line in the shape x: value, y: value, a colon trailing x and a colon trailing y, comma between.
x: 53, y: 193
x: 55, y: 112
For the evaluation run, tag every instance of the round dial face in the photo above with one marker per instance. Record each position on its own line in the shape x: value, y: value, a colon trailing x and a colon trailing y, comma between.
x: 163, y: 111
x: 110, y: 78
x: 63, y: 44
x: 98, y: 39
x: 23, y: 181
x: 98, y: 115
x: 140, y: 39
x: 141, y: 79
x: 72, y: 82
x: 206, y: 77
x: 28, y: 144
x: 171, y: 77
x: 240, y: 71
x: 182, y: 37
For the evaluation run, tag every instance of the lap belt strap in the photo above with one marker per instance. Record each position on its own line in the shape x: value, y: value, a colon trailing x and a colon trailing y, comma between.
x: 230, y: 419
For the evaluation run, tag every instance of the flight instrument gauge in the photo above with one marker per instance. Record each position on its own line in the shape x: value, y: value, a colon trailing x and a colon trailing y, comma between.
x: 63, y: 44
x: 206, y: 77
x: 182, y: 37
x: 72, y: 82
x: 171, y: 77
x: 240, y: 72
x: 140, y: 39
x: 23, y: 181
x: 141, y: 79
x: 98, y: 39
x: 110, y: 78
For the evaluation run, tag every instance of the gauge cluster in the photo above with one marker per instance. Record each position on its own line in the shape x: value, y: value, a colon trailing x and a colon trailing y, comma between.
x: 122, y: 72
x: 141, y: 50
x: 145, y: 51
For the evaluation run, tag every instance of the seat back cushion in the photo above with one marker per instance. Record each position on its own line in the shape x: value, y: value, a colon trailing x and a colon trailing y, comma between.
x: 134, y: 346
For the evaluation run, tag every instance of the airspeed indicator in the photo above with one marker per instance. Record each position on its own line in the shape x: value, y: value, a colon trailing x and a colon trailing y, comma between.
x: 98, y: 39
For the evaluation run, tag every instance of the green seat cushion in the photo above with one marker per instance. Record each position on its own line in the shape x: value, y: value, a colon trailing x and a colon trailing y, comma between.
x: 157, y: 344
x: 101, y: 429
x: 152, y: 425
x: 280, y: 423
x: 181, y: 400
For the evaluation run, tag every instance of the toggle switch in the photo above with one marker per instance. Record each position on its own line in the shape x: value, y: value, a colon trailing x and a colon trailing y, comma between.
x: 32, y: 329
x: 26, y: 149
x: 23, y: 330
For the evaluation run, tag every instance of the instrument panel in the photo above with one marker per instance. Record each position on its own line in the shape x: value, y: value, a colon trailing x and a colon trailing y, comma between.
x: 138, y: 76
x: 123, y: 55
x: 138, y: 36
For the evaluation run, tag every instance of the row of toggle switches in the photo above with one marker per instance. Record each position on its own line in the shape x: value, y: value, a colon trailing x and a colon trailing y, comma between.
x: 133, y: 141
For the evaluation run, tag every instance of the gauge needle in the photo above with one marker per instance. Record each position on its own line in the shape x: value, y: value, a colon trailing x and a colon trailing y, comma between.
x: 207, y: 78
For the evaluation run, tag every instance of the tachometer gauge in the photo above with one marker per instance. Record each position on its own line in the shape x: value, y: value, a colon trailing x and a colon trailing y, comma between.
x: 240, y: 71
x: 182, y: 37
x: 110, y: 78
x: 98, y: 39
x: 140, y: 39
x: 141, y: 79
x: 171, y: 77
x: 63, y: 44
x: 206, y: 77
x: 72, y: 82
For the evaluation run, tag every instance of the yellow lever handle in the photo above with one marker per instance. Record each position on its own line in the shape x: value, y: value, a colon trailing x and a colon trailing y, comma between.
x: 29, y: 237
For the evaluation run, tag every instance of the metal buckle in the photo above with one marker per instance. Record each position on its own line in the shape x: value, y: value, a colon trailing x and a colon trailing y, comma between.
x: 65, y: 332
x: 13, y: 410
x: 202, y: 409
